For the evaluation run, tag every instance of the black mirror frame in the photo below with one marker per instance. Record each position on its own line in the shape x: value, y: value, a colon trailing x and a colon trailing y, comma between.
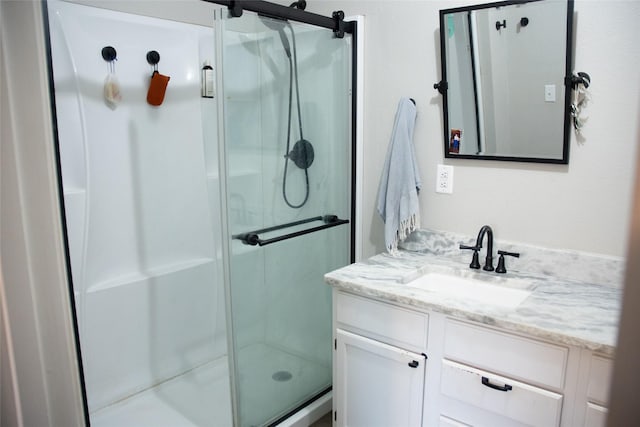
x: 442, y: 87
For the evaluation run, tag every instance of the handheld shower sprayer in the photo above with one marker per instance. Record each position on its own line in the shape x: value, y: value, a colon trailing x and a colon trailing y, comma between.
x: 285, y: 42
x: 278, y: 25
x: 302, y: 154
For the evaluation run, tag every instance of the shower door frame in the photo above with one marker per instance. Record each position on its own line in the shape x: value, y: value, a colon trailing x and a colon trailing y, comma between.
x: 273, y: 10
x: 337, y: 25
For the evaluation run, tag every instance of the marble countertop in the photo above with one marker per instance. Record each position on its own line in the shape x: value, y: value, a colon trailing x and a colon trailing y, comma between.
x: 559, y: 309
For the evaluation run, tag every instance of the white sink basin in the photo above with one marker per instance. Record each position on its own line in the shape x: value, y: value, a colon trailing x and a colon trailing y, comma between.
x: 479, y: 291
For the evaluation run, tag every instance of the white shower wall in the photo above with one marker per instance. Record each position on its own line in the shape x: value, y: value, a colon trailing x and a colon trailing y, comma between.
x: 141, y: 199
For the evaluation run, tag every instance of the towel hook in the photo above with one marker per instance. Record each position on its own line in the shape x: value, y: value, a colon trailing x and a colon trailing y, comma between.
x: 153, y: 57
x: 111, y: 88
x: 441, y: 86
x: 109, y: 53
x: 579, y: 82
x: 581, y: 78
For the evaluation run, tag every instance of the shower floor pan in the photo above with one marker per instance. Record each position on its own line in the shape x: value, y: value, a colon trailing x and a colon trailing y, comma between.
x: 201, y: 397
x: 198, y: 398
x: 280, y: 376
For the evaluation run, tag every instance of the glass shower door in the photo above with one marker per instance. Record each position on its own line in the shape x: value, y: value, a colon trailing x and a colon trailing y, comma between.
x: 287, y: 125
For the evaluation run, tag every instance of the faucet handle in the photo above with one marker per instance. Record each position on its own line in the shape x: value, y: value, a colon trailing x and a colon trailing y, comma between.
x: 513, y: 254
x: 475, y: 262
x: 501, y: 267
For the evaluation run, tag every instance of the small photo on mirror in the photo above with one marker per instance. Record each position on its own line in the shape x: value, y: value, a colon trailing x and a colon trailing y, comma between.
x: 455, y: 140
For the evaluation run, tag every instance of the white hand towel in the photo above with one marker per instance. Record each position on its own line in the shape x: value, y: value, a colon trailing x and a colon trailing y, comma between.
x: 400, y: 181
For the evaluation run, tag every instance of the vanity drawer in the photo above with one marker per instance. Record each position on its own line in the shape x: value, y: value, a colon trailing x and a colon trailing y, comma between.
x: 599, y: 378
x: 384, y: 322
x: 522, y: 358
x: 521, y: 402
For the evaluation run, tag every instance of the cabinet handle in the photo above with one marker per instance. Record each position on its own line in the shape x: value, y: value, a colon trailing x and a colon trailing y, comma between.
x: 506, y: 387
x: 413, y: 364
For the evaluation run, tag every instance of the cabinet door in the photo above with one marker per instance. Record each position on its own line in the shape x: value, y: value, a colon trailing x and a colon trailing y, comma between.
x: 376, y: 384
x: 596, y: 416
x: 597, y: 397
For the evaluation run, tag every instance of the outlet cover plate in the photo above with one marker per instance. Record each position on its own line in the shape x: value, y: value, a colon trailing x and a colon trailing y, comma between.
x: 550, y: 93
x: 444, y: 179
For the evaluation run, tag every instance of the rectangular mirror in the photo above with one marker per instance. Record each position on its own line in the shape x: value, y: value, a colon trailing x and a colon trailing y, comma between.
x: 506, y: 80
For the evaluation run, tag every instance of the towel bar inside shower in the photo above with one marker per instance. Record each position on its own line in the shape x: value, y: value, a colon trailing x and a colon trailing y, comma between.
x: 252, y: 237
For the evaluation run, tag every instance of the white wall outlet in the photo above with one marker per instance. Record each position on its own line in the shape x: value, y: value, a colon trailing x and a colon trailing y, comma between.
x: 444, y: 179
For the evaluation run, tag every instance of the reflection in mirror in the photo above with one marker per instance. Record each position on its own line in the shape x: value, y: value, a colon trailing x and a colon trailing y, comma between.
x: 505, y: 66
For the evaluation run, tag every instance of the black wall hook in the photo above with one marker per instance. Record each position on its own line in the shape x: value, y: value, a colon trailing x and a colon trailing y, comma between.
x: 581, y: 78
x: 109, y: 53
x: 441, y: 86
x: 501, y: 25
x: 153, y: 57
x: 524, y: 21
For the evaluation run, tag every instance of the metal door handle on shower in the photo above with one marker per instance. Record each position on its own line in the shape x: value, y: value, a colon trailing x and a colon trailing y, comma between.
x: 252, y: 238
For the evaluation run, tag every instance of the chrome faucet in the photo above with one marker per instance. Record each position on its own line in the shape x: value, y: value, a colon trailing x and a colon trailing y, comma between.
x: 488, y: 262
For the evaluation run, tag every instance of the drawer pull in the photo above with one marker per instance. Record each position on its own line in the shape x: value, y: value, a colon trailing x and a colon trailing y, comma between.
x: 413, y: 364
x: 506, y: 387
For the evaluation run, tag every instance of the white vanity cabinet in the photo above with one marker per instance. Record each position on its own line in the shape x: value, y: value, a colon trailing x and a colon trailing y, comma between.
x: 379, y: 365
x: 475, y: 375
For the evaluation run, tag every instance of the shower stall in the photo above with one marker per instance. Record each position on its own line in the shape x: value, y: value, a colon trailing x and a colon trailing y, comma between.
x: 199, y: 230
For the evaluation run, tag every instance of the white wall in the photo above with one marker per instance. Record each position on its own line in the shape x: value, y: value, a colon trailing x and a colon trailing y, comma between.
x: 583, y: 206
x: 187, y: 11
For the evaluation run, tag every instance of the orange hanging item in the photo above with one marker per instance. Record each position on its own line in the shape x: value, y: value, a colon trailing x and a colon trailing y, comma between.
x: 157, y: 88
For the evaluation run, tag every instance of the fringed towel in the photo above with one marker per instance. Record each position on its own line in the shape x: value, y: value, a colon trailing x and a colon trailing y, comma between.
x: 400, y: 181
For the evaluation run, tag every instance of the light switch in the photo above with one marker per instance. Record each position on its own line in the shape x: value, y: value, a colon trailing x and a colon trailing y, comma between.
x: 550, y: 93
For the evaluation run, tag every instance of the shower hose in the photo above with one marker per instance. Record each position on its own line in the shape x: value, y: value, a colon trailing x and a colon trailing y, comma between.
x: 293, y: 75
